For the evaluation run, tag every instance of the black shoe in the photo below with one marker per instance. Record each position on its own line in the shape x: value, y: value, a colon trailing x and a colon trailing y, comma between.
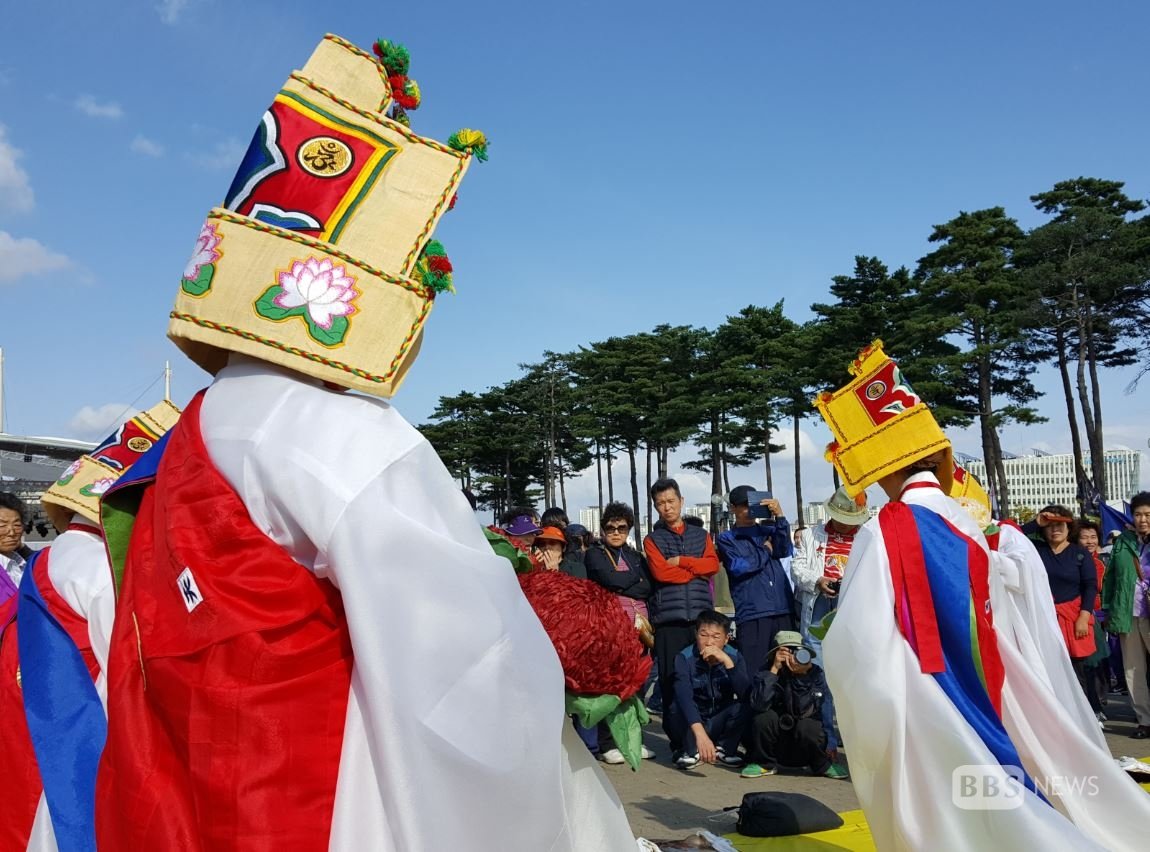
x: 1141, y: 732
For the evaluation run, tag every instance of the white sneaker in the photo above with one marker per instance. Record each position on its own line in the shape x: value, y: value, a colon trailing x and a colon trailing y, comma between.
x: 647, y: 754
x: 613, y: 756
x: 687, y: 761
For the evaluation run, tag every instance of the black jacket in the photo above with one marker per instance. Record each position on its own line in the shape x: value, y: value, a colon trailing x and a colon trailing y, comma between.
x: 630, y: 579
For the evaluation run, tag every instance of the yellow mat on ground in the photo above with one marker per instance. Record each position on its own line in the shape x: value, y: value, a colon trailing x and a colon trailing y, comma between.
x: 853, y: 835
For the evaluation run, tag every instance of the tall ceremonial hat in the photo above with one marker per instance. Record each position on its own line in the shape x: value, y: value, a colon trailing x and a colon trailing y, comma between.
x: 320, y: 258
x: 968, y: 491
x: 78, y: 489
x: 880, y: 425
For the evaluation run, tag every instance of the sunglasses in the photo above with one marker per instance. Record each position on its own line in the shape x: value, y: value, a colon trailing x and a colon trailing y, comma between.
x: 616, y: 528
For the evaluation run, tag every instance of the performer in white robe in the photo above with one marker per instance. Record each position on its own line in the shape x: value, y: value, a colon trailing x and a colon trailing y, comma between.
x: 78, y: 591
x: 1024, y: 607
x: 456, y: 704
x: 279, y: 491
x: 909, y: 768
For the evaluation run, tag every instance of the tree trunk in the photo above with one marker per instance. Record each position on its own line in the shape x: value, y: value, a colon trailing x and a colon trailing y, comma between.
x: 1100, y: 478
x: 726, y: 473
x: 998, y: 505
x: 1000, y: 465
x: 507, y: 476
x: 610, y: 476
x: 635, y: 492
x: 664, y: 460
x: 798, y: 472
x: 562, y: 487
x: 1091, y: 413
x: 716, y: 474
x: 647, y: 500
x: 1072, y: 417
x: 767, y: 459
x: 599, y: 473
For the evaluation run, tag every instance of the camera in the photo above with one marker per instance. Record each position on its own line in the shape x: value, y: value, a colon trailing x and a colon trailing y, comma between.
x: 786, y: 722
x: 802, y: 656
x: 834, y: 585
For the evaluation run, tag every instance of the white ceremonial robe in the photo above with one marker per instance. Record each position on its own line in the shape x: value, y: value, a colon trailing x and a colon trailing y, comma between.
x: 905, y: 739
x: 78, y: 569
x: 1024, y: 615
x: 456, y: 737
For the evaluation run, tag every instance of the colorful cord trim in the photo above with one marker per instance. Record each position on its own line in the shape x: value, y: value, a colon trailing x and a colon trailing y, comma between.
x: 378, y: 119
x: 327, y: 248
x: 312, y: 356
x: 363, y: 54
x: 448, y: 193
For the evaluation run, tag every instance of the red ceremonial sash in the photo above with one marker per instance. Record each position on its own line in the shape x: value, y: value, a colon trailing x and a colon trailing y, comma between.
x: 75, y: 625
x: 19, y: 775
x: 913, y: 602
x: 229, y: 674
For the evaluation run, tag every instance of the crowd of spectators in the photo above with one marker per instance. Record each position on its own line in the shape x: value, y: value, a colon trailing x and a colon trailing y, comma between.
x: 750, y: 692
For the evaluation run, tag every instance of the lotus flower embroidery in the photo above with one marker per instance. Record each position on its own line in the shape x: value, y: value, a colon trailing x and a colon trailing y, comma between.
x: 67, y: 475
x: 318, y: 291
x: 98, y: 487
x: 201, y: 266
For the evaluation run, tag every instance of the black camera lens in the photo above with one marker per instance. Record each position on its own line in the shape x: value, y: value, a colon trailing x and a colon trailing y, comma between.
x: 786, y: 723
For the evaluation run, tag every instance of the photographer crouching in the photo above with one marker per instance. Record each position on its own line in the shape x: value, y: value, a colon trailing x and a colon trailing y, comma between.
x: 792, y: 725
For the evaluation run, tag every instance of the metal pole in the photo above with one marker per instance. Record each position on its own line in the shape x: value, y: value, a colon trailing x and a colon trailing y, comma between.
x: 167, y: 381
x: 1, y: 390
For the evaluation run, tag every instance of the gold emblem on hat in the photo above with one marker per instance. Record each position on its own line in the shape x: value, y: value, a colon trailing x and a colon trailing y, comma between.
x: 139, y: 445
x: 324, y: 156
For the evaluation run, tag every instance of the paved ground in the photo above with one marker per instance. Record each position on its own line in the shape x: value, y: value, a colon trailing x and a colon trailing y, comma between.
x: 664, y: 802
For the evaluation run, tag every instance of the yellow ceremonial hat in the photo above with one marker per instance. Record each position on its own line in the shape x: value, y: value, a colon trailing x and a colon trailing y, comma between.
x: 320, y: 258
x: 970, y: 494
x: 78, y: 489
x: 880, y: 425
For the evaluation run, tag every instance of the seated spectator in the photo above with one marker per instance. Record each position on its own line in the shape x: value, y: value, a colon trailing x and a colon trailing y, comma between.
x: 751, y: 553
x: 14, y: 554
x: 615, y: 565
x: 553, y: 516
x: 578, y: 539
x: 520, y: 525
x: 710, y: 712
x: 792, y: 725
x: 514, y: 543
x: 622, y: 570
x: 552, y: 554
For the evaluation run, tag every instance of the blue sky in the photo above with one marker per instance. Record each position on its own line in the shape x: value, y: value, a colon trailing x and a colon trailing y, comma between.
x: 650, y: 162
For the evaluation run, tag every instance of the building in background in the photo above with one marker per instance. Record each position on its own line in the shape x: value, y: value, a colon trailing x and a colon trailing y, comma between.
x: 1040, y: 479
x: 28, y: 466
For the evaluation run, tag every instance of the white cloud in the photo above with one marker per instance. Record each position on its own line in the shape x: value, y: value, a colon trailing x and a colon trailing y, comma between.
x: 94, y: 423
x: 93, y: 108
x: 170, y: 10
x: 15, y: 190
x: 223, y: 155
x: 22, y: 256
x: 147, y: 147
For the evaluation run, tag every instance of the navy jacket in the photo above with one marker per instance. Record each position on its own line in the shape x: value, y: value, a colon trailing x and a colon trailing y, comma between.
x: 685, y: 599
x: 703, y: 690
x: 759, y: 584
x: 801, y: 696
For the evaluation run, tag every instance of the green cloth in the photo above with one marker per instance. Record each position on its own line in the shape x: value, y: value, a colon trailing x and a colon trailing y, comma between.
x: 820, y: 630
x: 1119, y: 582
x: 519, y: 560
x: 625, y: 721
